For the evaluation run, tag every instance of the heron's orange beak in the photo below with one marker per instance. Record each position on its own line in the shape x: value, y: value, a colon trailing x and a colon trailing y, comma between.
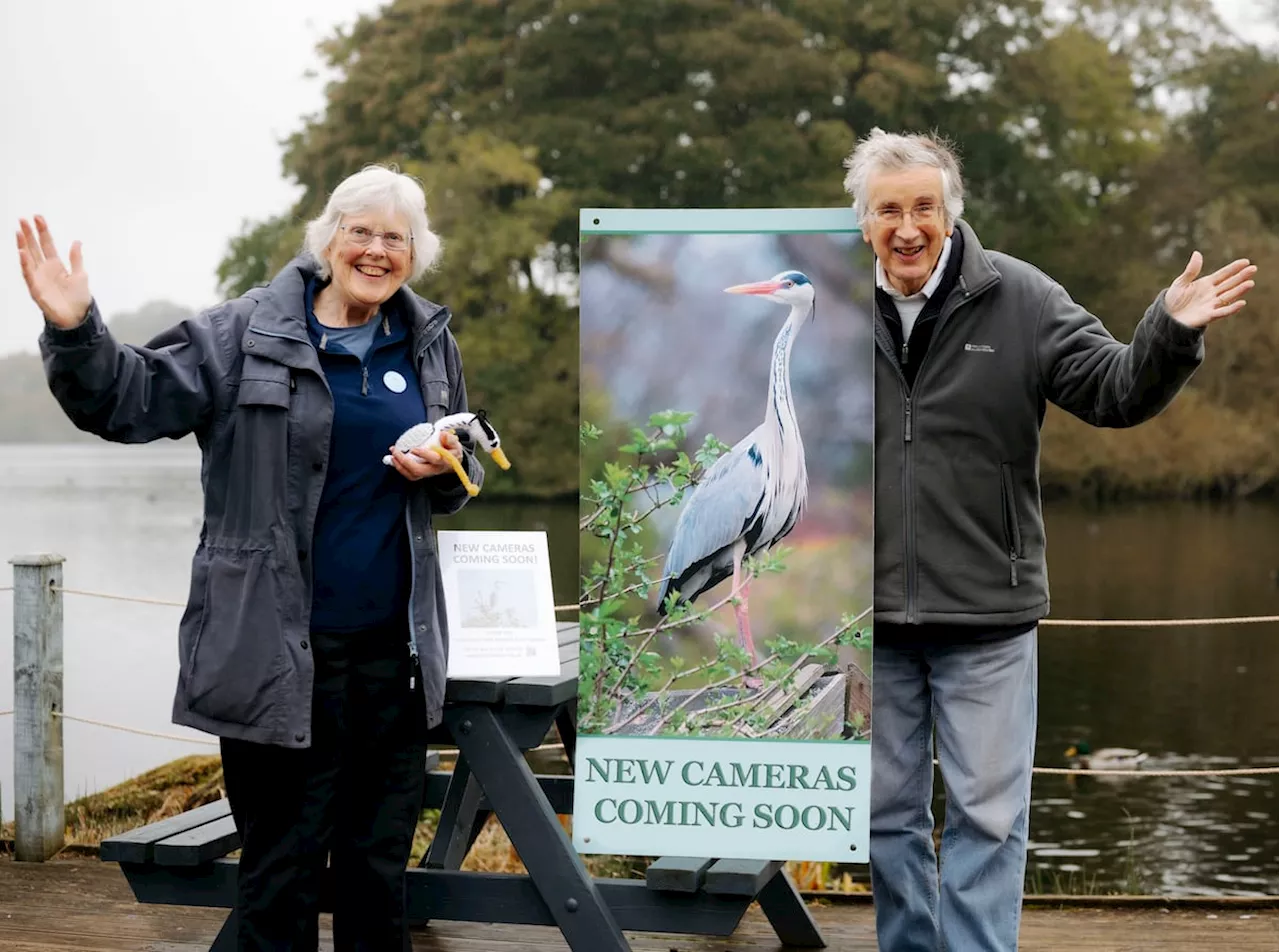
x: 759, y: 287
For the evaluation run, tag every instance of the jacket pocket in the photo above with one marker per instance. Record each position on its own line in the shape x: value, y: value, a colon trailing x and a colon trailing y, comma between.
x: 435, y: 397
x: 1012, y: 532
x: 252, y: 458
x: 258, y: 392
x: 237, y: 656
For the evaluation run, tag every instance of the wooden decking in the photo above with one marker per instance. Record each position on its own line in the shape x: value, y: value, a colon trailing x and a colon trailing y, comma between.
x: 84, y: 904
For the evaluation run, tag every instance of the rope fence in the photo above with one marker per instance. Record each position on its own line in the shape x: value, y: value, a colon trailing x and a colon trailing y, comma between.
x: 118, y: 598
x: 1208, y: 772
x: 1044, y: 622
x: 209, y: 743
x: 1159, y: 622
x: 1047, y: 622
x: 134, y: 730
x: 1055, y: 771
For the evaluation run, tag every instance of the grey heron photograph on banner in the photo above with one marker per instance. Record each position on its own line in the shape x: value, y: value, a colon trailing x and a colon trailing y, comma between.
x: 726, y: 532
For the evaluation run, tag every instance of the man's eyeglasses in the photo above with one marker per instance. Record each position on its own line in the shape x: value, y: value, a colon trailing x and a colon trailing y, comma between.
x: 363, y: 237
x: 926, y: 213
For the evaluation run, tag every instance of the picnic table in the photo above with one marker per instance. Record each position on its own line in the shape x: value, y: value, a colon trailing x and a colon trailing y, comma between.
x: 183, y: 860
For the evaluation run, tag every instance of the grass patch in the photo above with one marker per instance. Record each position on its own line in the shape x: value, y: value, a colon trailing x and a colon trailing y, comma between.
x: 168, y: 790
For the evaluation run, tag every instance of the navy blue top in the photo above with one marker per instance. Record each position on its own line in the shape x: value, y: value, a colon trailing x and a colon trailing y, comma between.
x: 361, y: 566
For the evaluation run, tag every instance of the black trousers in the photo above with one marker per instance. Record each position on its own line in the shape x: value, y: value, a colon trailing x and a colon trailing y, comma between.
x: 352, y: 798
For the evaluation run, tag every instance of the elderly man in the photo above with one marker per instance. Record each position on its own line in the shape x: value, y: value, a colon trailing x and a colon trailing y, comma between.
x: 970, y: 344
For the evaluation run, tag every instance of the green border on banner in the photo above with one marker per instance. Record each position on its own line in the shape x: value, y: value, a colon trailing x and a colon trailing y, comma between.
x: 716, y: 221
x: 689, y: 814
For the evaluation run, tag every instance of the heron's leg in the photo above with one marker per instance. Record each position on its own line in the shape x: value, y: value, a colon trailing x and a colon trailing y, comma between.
x: 744, y: 624
x: 752, y: 681
x: 740, y: 590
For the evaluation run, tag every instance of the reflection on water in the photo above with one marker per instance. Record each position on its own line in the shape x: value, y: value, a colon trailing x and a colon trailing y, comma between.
x: 1193, y: 698
x: 127, y: 519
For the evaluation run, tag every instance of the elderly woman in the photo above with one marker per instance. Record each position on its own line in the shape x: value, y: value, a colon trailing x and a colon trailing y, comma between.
x: 314, y: 639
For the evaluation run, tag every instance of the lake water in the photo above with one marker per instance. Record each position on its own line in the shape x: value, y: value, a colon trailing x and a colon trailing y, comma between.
x: 127, y: 519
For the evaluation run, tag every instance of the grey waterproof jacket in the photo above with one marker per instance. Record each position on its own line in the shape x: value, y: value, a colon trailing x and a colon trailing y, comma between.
x: 246, y: 380
x: 959, y: 529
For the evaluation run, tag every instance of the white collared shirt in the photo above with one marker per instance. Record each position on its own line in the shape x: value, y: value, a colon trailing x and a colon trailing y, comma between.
x: 910, y: 306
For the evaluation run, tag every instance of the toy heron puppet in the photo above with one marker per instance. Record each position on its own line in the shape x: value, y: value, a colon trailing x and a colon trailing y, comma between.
x: 474, y: 424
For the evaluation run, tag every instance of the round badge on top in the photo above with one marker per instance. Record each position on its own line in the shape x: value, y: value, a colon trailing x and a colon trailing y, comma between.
x: 394, y: 382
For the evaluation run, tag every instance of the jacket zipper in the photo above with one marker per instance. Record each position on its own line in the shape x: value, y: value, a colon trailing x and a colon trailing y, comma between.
x: 312, y: 513
x: 908, y: 461
x: 413, y: 553
x: 1013, y: 537
x: 908, y: 488
x: 413, y: 585
x: 909, y: 506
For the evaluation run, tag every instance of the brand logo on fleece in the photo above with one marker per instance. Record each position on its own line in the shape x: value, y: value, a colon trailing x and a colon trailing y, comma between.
x: 980, y: 348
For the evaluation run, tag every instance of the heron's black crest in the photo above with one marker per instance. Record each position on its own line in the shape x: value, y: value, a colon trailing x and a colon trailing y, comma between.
x: 796, y: 277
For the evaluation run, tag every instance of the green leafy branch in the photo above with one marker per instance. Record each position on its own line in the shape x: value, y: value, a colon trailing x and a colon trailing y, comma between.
x: 623, y: 678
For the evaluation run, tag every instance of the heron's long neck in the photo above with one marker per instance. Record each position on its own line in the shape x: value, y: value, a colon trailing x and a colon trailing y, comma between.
x: 781, y: 410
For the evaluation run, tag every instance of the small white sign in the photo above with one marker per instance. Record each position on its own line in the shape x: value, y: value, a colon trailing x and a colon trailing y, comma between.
x: 500, y: 605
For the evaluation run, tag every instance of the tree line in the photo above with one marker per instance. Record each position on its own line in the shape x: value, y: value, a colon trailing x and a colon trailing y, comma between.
x: 1102, y: 141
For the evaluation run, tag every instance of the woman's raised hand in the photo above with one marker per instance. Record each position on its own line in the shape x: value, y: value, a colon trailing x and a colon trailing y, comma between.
x: 62, y: 295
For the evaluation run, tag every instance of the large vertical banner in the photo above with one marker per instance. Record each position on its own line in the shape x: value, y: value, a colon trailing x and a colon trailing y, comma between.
x: 726, y: 551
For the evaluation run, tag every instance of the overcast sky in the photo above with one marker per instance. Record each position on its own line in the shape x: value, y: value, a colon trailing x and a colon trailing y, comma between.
x: 150, y: 129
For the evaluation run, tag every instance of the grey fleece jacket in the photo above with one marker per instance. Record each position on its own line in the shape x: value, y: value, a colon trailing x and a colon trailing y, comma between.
x: 959, y: 528
x: 246, y: 380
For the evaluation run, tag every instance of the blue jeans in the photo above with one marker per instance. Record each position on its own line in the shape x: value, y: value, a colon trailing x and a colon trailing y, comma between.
x: 981, y: 700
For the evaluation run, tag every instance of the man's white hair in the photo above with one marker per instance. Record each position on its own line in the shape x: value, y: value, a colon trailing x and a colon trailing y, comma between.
x: 891, y: 152
x: 376, y: 188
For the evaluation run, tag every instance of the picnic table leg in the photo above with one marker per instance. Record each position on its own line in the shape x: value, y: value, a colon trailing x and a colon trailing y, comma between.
x: 567, y: 727
x: 784, y: 907
x: 477, y: 827
x: 580, y: 911
x: 460, y: 808
x: 225, y: 941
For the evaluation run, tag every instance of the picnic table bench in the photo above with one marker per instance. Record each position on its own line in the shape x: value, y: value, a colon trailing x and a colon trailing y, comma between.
x: 183, y: 860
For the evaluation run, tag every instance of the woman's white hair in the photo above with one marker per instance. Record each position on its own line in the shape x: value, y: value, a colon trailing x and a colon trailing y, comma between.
x: 890, y: 152
x: 376, y: 188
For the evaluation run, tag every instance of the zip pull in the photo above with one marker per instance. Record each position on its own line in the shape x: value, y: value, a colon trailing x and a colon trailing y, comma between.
x: 364, y: 381
x: 413, y: 658
x: 905, y: 352
x: 906, y: 427
x: 386, y: 326
x: 1013, y: 569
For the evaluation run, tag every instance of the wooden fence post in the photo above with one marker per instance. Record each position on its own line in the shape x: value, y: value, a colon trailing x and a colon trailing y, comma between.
x: 39, y: 812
